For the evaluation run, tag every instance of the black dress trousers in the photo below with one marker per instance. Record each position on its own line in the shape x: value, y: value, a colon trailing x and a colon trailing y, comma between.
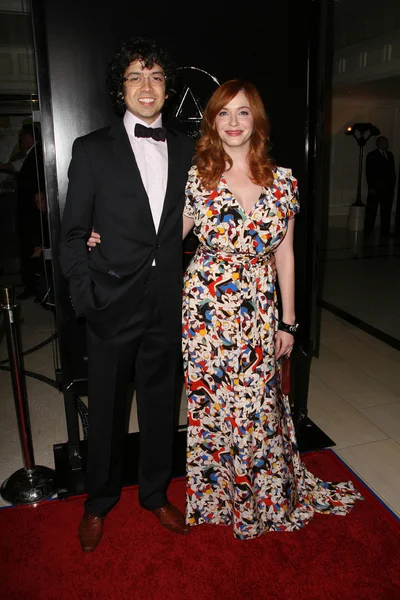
x: 145, y: 348
x: 384, y: 200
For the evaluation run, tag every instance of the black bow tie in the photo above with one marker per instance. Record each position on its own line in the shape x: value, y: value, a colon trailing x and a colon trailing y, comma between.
x: 157, y: 133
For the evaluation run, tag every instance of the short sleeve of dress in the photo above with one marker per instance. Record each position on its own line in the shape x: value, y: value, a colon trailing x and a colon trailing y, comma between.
x: 192, y: 185
x: 293, y: 195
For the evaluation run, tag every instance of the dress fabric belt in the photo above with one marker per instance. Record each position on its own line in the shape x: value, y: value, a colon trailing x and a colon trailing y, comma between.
x: 242, y: 286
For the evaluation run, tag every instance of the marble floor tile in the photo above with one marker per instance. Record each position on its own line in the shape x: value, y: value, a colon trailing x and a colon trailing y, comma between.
x: 378, y: 464
x: 351, y: 332
x: 334, y: 331
x: 327, y: 315
x: 133, y: 420
x: 327, y: 355
x: 315, y: 384
x: 350, y: 284
x: 181, y: 412
x: 377, y: 345
x: 387, y: 418
x: 339, y: 420
x: 391, y: 383
x: 183, y: 417
x: 353, y: 385
x: 319, y: 367
x: 372, y: 363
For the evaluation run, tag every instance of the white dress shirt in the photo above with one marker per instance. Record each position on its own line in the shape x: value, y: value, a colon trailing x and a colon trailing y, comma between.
x: 152, y: 160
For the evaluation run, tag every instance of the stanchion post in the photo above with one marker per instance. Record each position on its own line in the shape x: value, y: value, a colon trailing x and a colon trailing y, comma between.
x: 32, y: 483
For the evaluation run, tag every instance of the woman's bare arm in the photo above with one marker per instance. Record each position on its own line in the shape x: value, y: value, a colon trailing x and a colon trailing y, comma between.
x: 187, y: 225
x: 284, y: 258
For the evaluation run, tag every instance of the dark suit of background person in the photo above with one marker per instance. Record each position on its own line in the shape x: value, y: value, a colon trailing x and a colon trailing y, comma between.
x: 30, y: 181
x: 381, y: 179
x: 132, y: 306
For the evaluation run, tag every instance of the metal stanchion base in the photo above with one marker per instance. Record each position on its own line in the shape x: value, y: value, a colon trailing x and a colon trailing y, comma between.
x: 28, y: 487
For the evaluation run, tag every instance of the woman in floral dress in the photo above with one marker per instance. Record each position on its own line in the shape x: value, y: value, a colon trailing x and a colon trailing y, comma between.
x: 243, y: 464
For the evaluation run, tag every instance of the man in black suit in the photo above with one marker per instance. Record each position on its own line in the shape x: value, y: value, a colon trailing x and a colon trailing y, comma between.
x: 128, y: 182
x: 381, y: 179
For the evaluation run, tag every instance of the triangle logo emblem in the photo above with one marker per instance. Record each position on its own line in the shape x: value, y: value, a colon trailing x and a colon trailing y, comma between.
x: 188, y: 108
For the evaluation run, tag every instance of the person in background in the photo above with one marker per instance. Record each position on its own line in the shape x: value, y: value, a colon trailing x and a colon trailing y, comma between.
x: 381, y: 180
x: 14, y: 164
x: 30, y: 222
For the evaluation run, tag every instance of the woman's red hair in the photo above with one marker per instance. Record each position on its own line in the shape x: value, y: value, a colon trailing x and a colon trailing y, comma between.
x: 211, y: 157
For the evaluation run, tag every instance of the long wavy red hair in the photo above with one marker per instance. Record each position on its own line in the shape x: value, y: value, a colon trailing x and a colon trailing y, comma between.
x: 211, y: 157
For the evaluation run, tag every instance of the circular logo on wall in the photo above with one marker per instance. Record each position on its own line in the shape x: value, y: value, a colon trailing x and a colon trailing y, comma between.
x: 185, y: 109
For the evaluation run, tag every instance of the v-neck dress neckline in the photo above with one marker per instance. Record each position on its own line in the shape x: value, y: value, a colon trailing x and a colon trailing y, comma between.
x: 242, y: 210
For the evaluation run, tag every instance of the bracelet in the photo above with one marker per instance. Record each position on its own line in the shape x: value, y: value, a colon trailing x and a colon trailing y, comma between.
x: 292, y: 329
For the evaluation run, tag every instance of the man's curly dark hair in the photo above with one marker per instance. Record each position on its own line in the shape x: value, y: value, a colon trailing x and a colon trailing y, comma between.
x: 146, y: 50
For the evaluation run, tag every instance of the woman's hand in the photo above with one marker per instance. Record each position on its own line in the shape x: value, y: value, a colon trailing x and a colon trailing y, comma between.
x: 93, y: 240
x: 284, y: 344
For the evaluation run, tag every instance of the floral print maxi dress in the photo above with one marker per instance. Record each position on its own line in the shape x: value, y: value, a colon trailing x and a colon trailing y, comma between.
x: 243, y: 465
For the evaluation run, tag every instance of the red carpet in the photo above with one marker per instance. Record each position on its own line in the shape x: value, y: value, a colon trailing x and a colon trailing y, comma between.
x: 356, y: 557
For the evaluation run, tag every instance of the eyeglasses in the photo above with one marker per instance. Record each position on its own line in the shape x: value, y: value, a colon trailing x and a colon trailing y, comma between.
x: 137, y: 79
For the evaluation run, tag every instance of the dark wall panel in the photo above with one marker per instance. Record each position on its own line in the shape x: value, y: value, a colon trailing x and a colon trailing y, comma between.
x: 261, y: 42
x: 263, y: 46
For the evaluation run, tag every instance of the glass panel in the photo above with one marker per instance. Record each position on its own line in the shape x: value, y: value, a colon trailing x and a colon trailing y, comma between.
x: 25, y: 257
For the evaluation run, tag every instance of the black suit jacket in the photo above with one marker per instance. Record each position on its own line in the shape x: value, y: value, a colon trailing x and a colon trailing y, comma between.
x: 106, y: 191
x: 380, y: 172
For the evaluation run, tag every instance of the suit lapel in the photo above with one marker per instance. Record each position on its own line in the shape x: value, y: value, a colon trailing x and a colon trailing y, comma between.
x: 129, y: 169
x: 173, y: 174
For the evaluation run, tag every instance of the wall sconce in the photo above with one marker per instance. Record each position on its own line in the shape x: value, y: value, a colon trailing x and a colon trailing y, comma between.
x: 361, y: 132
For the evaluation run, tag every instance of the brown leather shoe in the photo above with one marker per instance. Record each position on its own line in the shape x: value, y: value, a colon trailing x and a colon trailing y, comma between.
x: 90, y: 532
x: 171, y: 518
